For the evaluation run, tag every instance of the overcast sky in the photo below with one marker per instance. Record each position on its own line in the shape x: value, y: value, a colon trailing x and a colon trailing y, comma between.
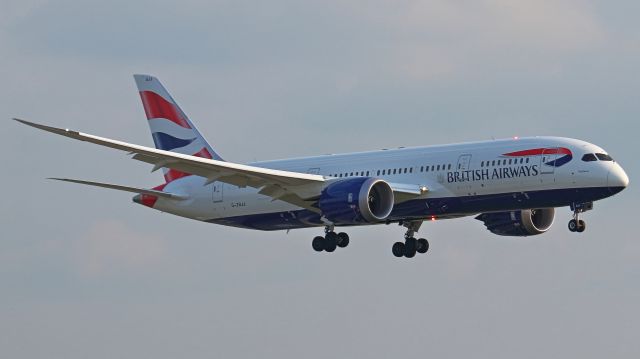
x: 84, y: 272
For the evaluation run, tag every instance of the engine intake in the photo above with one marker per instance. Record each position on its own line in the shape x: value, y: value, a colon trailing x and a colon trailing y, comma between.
x: 526, y: 222
x: 357, y: 200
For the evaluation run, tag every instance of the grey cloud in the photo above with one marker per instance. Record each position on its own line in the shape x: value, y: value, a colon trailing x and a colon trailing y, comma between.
x: 274, y: 79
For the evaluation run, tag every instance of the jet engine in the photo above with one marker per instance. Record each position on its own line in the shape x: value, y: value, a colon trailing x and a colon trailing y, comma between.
x: 357, y: 200
x: 526, y: 222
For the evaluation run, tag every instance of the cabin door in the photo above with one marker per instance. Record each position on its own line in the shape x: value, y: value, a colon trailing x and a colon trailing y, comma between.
x: 463, y: 163
x: 548, y: 160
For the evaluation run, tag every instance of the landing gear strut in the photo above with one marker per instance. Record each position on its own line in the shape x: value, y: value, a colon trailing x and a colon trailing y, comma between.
x: 576, y: 224
x: 411, y: 245
x: 330, y: 241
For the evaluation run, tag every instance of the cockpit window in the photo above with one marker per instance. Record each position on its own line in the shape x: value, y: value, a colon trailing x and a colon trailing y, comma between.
x: 604, y: 157
x: 589, y: 157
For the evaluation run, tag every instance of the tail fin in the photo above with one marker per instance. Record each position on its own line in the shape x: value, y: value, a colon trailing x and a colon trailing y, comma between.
x: 170, y: 128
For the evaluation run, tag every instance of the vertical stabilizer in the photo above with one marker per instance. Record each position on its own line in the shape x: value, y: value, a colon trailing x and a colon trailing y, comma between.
x: 170, y: 128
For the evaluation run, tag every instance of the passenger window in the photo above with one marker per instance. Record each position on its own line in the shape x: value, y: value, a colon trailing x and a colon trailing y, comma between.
x: 521, y: 160
x: 438, y: 169
x: 449, y: 166
x: 527, y: 159
x: 427, y: 169
x: 394, y: 171
x: 481, y: 164
x: 411, y: 170
x: 589, y: 157
x: 604, y: 157
x: 421, y: 168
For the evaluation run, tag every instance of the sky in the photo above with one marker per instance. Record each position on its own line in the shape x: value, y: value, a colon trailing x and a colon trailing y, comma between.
x: 84, y: 272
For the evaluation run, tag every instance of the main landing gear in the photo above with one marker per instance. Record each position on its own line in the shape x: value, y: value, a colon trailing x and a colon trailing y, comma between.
x: 408, y: 248
x: 411, y: 245
x: 330, y: 241
x: 576, y: 224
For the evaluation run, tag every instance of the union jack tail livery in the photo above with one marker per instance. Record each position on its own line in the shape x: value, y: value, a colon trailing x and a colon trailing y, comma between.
x: 170, y: 127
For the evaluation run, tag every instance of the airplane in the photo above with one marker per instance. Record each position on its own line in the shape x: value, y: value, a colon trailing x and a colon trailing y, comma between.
x: 511, y: 185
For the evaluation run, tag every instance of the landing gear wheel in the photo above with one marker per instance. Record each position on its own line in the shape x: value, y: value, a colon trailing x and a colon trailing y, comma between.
x: 330, y: 242
x: 343, y: 240
x: 318, y: 244
x: 573, y: 225
x: 410, y: 246
x: 398, y: 249
x: 581, y: 226
x: 409, y: 252
x: 422, y: 245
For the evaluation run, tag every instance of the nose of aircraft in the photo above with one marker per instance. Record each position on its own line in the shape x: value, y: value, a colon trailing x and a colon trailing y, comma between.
x: 617, y: 179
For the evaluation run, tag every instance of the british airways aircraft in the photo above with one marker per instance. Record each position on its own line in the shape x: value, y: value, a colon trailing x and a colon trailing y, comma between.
x: 511, y: 185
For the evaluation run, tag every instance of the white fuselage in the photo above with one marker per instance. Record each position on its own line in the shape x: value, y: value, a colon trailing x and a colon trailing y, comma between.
x: 462, y: 179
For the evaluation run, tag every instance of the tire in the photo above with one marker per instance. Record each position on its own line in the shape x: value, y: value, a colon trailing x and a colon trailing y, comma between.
x: 410, y: 245
x: 343, y: 240
x: 573, y: 225
x: 318, y: 244
x: 409, y: 252
x: 422, y: 246
x: 330, y: 242
x: 398, y: 249
x: 581, y: 226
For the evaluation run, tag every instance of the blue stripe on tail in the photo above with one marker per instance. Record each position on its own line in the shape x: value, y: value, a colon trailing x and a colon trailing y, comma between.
x: 168, y: 142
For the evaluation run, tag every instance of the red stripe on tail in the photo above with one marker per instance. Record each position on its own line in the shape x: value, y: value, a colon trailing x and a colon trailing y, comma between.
x: 155, y: 106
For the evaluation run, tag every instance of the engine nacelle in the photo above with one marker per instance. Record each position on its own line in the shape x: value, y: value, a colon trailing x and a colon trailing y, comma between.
x: 357, y: 200
x: 526, y: 222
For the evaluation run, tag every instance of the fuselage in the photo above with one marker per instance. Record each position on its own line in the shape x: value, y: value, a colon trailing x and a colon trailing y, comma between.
x: 462, y: 179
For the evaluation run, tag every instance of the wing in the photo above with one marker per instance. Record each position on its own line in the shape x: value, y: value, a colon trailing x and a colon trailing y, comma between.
x: 301, y: 189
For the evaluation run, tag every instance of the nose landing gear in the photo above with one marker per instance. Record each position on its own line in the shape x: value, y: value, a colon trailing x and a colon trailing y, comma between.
x: 576, y: 224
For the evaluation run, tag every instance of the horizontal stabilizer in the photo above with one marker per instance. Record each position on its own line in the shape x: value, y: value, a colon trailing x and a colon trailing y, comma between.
x: 124, y: 188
